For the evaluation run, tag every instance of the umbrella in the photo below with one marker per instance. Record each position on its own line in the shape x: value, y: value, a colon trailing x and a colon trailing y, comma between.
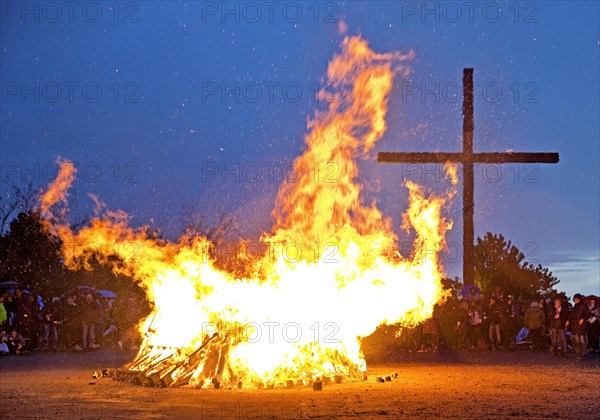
x: 10, y: 284
x: 39, y: 299
x: 108, y: 294
x: 24, y: 291
x: 84, y: 290
x: 81, y: 291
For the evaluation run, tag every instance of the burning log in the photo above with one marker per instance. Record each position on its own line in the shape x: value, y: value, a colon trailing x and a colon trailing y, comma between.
x: 156, y: 380
x: 199, y: 365
x: 125, y: 375
x: 161, y: 368
x: 209, y: 365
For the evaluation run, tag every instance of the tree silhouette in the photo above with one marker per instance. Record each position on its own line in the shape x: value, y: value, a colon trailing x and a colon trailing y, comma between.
x: 31, y: 255
x: 500, y: 263
x: 18, y: 198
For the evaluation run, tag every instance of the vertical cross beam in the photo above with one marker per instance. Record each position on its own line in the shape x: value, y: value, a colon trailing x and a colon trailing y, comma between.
x: 468, y: 183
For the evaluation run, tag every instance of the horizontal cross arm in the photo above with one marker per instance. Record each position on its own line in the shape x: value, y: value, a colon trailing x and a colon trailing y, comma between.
x: 515, y: 157
x: 443, y: 157
x: 419, y: 157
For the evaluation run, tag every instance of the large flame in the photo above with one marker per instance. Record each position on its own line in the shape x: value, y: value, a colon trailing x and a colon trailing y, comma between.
x: 331, y: 274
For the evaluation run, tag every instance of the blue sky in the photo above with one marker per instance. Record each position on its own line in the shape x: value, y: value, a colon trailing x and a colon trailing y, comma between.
x: 140, y: 96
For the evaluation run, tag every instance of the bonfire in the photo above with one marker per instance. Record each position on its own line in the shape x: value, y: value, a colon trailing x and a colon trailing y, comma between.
x: 331, y: 273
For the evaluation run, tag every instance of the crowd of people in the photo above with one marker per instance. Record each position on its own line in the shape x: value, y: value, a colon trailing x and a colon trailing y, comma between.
x: 501, y: 322
x: 83, y: 320
x: 78, y: 321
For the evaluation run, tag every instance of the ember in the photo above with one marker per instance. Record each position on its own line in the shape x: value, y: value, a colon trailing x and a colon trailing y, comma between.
x: 346, y: 279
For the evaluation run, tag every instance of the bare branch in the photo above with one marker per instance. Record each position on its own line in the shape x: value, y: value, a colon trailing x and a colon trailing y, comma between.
x: 21, y: 198
x: 7, y: 208
x: 195, y: 223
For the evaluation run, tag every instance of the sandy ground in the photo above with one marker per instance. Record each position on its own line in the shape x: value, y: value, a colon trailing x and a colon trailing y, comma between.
x: 437, y: 385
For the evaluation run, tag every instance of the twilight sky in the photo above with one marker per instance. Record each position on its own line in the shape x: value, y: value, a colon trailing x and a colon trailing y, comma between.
x: 150, y: 99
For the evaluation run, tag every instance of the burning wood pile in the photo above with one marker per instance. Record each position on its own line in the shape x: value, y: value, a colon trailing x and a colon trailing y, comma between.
x: 163, y: 367
x: 208, y: 366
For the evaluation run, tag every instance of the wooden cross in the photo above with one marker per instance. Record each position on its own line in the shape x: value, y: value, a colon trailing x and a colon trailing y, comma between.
x: 467, y: 158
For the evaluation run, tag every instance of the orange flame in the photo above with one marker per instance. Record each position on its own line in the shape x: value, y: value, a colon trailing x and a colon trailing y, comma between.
x: 451, y: 170
x: 58, y: 190
x: 332, y: 273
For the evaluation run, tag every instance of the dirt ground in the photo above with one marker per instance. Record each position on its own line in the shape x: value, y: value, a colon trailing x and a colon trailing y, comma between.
x: 435, y: 385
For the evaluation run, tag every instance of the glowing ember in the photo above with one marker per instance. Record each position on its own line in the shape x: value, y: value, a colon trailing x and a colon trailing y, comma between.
x: 331, y: 273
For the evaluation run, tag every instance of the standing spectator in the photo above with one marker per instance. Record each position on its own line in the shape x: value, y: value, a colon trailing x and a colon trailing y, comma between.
x: 24, y: 317
x: 10, y: 305
x: 475, y: 319
x: 50, y: 319
x: 519, y: 307
x: 493, y: 318
x: 3, y: 314
x: 577, y: 321
x: 35, y: 327
x: 558, y: 320
x: 535, y: 320
x: 108, y: 323
x: 510, y: 321
x: 16, y: 308
x: 70, y: 325
x: 17, y: 299
x: 20, y: 310
x: 90, y: 317
x: 431, y: 336
x: 547, y: 308
x: 462, y: 324
x: 594, y: 327
x: 129, y: 315
x: 485, y: 324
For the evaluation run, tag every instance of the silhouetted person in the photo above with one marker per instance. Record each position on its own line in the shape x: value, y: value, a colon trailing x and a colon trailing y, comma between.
x: 493, y: 317
x: 70, y: 324
x: 594, y: 325
x: 558, y: 321
x: 535, y: 320
x: 476, y: 329
x: 578, y: 323
x: 50, y: 320
x: 462, y: 323
x: 91, y: 313
x: 510, y: 322
x: 129, y: 316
